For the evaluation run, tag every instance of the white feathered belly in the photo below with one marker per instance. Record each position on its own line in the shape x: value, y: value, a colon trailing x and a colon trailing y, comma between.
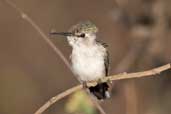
x: 88, y: 66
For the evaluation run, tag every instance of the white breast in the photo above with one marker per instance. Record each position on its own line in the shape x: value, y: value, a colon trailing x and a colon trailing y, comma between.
x: 88, y: 62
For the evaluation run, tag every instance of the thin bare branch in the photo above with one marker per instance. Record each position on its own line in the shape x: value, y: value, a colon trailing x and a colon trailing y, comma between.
x: 46, y: 39
x: 56, y: 98
x: 38, y: 29
x: 152, y: 72
x: 58, y: 52
x: 96, y: 103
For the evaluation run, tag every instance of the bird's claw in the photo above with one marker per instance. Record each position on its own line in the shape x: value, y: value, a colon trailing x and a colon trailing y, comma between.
x: 85, y: 85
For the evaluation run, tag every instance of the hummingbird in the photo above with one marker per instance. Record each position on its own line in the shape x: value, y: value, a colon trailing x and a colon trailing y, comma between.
x: 89, y: 57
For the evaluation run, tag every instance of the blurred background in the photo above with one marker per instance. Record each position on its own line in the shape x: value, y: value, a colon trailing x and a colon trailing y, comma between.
x: 138, y: 34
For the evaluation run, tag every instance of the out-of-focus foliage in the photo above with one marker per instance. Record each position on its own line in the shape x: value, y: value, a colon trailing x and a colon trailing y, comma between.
x: 79, y: 102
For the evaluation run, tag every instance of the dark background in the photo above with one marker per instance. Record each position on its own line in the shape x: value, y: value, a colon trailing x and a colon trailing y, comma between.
x: 138, y: 34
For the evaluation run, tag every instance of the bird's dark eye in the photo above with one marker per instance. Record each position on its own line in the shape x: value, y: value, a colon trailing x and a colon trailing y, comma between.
x: 82, y: 35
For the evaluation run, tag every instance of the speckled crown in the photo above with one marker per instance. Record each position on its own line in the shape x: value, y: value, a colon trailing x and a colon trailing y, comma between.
x: 84, y: 27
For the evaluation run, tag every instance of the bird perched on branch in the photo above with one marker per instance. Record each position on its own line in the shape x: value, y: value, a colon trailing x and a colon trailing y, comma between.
x: 89, y: 57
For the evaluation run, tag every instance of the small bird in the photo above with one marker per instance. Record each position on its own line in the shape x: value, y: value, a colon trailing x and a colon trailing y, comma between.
x: 89, y: 57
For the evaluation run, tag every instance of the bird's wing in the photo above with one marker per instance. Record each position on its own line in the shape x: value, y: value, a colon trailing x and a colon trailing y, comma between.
x: 106, y: 58
x: 106, y: 62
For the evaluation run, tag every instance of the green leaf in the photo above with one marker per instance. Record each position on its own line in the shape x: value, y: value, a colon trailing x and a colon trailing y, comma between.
x: 79, y: 102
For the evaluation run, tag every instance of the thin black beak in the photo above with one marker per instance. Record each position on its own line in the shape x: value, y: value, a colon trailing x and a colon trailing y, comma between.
x: 61, y: 33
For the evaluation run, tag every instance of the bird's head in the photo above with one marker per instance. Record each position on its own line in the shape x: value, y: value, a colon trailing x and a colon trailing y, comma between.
x: 83, y: 31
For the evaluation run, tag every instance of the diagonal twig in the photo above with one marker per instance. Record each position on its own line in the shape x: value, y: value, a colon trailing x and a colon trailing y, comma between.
x: 46, y: 39
x: 152, y: 72
x: 38, y: 29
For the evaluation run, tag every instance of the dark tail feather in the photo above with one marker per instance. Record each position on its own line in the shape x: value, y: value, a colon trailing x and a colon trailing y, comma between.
x: 100, y: 91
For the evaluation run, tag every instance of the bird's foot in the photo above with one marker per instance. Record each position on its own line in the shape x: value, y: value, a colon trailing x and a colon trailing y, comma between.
x: 85, y: 85
x: 109, y: 81
x: 100, y: 80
